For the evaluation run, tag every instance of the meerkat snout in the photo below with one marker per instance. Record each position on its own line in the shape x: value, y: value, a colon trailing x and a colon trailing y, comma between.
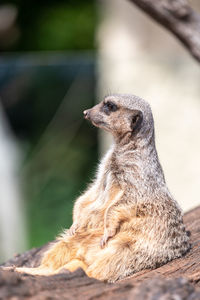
x: 86, y: 114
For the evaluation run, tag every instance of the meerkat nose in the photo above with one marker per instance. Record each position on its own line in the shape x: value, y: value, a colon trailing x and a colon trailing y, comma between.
x: 86, y: 114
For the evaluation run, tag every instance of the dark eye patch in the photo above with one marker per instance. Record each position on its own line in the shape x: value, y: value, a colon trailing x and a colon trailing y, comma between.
x: 109, y: 107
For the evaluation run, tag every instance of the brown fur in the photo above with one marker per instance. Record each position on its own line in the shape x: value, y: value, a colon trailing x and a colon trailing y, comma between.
x: 127, y: 220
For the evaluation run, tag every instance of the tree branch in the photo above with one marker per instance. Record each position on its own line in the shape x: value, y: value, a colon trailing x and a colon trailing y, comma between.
x: 179, y: 18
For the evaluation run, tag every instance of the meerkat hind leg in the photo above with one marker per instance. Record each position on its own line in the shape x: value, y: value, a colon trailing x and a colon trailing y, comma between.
x: 45, y: 271
x: 41, y: 270
x: 53, y: 260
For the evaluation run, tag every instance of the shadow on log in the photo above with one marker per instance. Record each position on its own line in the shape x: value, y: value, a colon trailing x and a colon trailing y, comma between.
x: 179, y: 279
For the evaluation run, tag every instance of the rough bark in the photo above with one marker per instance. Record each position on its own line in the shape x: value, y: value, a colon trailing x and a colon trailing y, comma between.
x: 179, y: 18
x: 179, y: 279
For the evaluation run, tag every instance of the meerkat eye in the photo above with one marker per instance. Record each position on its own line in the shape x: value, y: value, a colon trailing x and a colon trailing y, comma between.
x: 109, y: 107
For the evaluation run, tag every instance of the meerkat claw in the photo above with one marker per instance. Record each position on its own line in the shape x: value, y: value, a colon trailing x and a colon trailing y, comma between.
x: 103, y: 241
x: 72, y: 229
x: 107, y: 235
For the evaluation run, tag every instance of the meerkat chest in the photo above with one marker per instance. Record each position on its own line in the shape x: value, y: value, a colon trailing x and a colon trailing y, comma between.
x: 105, y: 194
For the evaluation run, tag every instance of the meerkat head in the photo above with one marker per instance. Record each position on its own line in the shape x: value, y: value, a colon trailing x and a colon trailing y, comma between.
x: 122, y: 115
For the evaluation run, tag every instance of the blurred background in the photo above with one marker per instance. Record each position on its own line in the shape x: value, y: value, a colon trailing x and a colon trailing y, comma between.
x: 58, y: 58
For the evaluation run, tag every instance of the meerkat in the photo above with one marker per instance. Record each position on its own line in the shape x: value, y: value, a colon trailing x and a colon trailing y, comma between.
x: 127, y: 220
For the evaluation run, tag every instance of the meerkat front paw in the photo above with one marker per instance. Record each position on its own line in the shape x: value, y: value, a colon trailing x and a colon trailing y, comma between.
x: 108, y: 233
x: 103, y: 241
x: 72, y: 230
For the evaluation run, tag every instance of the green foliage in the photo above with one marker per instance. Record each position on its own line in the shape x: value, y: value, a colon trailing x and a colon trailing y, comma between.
x: 55, y: 25
x: 61, y: 151
x: 55, y: 175
x: 65, y: 27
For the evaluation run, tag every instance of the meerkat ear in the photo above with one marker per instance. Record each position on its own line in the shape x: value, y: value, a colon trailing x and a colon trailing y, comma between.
x: 136, y: 121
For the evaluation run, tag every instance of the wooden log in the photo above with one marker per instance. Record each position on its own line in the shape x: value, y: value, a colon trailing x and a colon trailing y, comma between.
x: 178, y: 279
